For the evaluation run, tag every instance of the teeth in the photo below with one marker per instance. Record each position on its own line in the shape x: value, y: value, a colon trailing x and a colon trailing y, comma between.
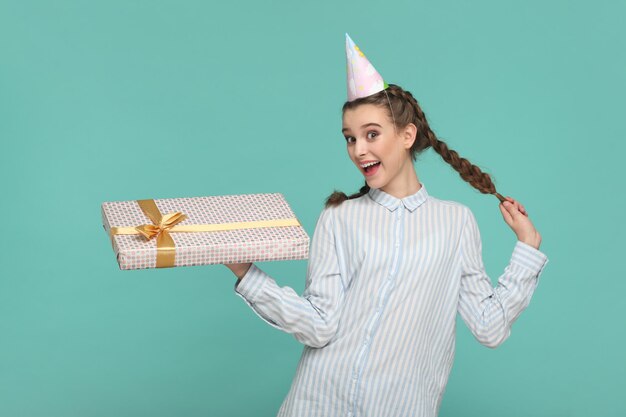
x: 368, y: 164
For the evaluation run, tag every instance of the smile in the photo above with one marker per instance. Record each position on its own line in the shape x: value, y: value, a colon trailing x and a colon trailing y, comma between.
x: 371, y: 169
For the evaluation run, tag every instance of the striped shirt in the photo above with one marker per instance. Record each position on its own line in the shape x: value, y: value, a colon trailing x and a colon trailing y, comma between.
x: 385, y: 279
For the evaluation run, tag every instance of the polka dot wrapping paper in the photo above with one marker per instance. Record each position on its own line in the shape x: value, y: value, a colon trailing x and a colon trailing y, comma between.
x: 134, y: 251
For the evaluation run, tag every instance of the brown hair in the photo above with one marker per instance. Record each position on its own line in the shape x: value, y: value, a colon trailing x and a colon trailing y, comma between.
x: 406, y: 110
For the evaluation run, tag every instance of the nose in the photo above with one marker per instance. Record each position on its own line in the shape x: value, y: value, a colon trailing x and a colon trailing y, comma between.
x: 360, y: 147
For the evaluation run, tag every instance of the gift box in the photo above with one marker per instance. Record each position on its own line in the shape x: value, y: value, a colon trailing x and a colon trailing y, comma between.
x: 172, y: 232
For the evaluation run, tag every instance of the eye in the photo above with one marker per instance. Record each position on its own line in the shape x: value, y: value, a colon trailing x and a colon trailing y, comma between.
x: 349, y: 138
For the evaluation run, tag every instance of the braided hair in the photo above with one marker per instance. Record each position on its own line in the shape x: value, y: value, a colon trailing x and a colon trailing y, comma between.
x: 406, y: 110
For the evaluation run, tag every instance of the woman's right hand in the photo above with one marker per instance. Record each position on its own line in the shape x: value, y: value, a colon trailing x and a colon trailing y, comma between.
x: 239, y: 269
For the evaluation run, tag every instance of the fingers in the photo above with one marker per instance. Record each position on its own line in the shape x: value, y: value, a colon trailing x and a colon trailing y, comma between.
x: 505, y: 213
x: 518, y: 206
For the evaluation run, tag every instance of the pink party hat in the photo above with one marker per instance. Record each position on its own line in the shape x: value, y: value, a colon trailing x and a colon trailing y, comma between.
x: 363, y: 79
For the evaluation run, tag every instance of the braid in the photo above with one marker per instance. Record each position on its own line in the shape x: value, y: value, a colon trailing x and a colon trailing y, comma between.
x: 338, y: 197
x: 468, y: 171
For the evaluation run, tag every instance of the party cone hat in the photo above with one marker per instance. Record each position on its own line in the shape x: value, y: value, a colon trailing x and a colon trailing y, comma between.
x: 363, y: 79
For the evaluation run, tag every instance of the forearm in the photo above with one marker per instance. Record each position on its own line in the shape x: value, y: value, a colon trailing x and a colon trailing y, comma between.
x: 312, y: 318
x: 490, y: 312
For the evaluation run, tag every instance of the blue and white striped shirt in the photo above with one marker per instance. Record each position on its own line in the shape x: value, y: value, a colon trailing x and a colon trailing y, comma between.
x: 385, y: 280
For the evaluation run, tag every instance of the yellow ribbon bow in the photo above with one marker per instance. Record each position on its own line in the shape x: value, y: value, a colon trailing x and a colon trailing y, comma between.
x: 167, y: 222
x: 166, y: 251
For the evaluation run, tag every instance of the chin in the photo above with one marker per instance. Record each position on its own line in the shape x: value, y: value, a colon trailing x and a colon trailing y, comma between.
x: 372, y: 183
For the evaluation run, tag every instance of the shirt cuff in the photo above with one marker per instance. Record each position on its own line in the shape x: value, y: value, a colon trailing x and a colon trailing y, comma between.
x: 529, y: 257
x: 251, y: 283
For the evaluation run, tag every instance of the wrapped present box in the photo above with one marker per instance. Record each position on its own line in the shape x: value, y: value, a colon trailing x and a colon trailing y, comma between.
x: 226, y: 229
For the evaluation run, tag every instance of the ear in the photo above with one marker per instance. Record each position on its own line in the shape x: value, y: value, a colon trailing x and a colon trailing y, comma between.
x: 410, y: 134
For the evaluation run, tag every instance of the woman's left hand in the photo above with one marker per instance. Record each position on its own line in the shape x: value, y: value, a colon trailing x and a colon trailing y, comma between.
x: 516, y: 217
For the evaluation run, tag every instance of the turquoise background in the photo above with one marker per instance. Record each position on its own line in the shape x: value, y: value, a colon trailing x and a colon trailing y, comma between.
x: 122, y: 100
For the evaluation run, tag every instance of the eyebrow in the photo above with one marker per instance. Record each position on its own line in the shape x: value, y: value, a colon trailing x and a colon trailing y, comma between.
x: 345, y: 129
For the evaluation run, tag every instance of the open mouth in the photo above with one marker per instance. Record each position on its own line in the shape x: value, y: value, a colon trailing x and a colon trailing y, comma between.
x: 371, y: 170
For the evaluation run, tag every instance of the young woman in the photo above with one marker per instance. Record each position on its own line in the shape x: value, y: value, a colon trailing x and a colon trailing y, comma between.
x: 389, y: 268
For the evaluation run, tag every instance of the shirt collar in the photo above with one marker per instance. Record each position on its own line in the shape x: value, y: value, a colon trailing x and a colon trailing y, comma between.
x: 411, y: 202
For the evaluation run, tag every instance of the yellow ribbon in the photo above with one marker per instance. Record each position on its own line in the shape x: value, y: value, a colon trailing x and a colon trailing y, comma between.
x: 163, y: 225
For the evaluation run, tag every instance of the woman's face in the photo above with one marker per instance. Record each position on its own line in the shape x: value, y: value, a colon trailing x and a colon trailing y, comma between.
x: 370, y: 137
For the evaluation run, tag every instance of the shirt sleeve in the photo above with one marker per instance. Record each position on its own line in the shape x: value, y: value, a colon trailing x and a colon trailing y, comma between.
x: 313, y: 317
x: 490, y: 312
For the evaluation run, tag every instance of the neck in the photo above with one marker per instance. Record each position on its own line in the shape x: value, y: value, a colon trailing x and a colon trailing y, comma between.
x: 405, y: 184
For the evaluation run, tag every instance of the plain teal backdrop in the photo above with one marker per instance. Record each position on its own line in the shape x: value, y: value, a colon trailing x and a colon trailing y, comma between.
x: 121, y: 100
